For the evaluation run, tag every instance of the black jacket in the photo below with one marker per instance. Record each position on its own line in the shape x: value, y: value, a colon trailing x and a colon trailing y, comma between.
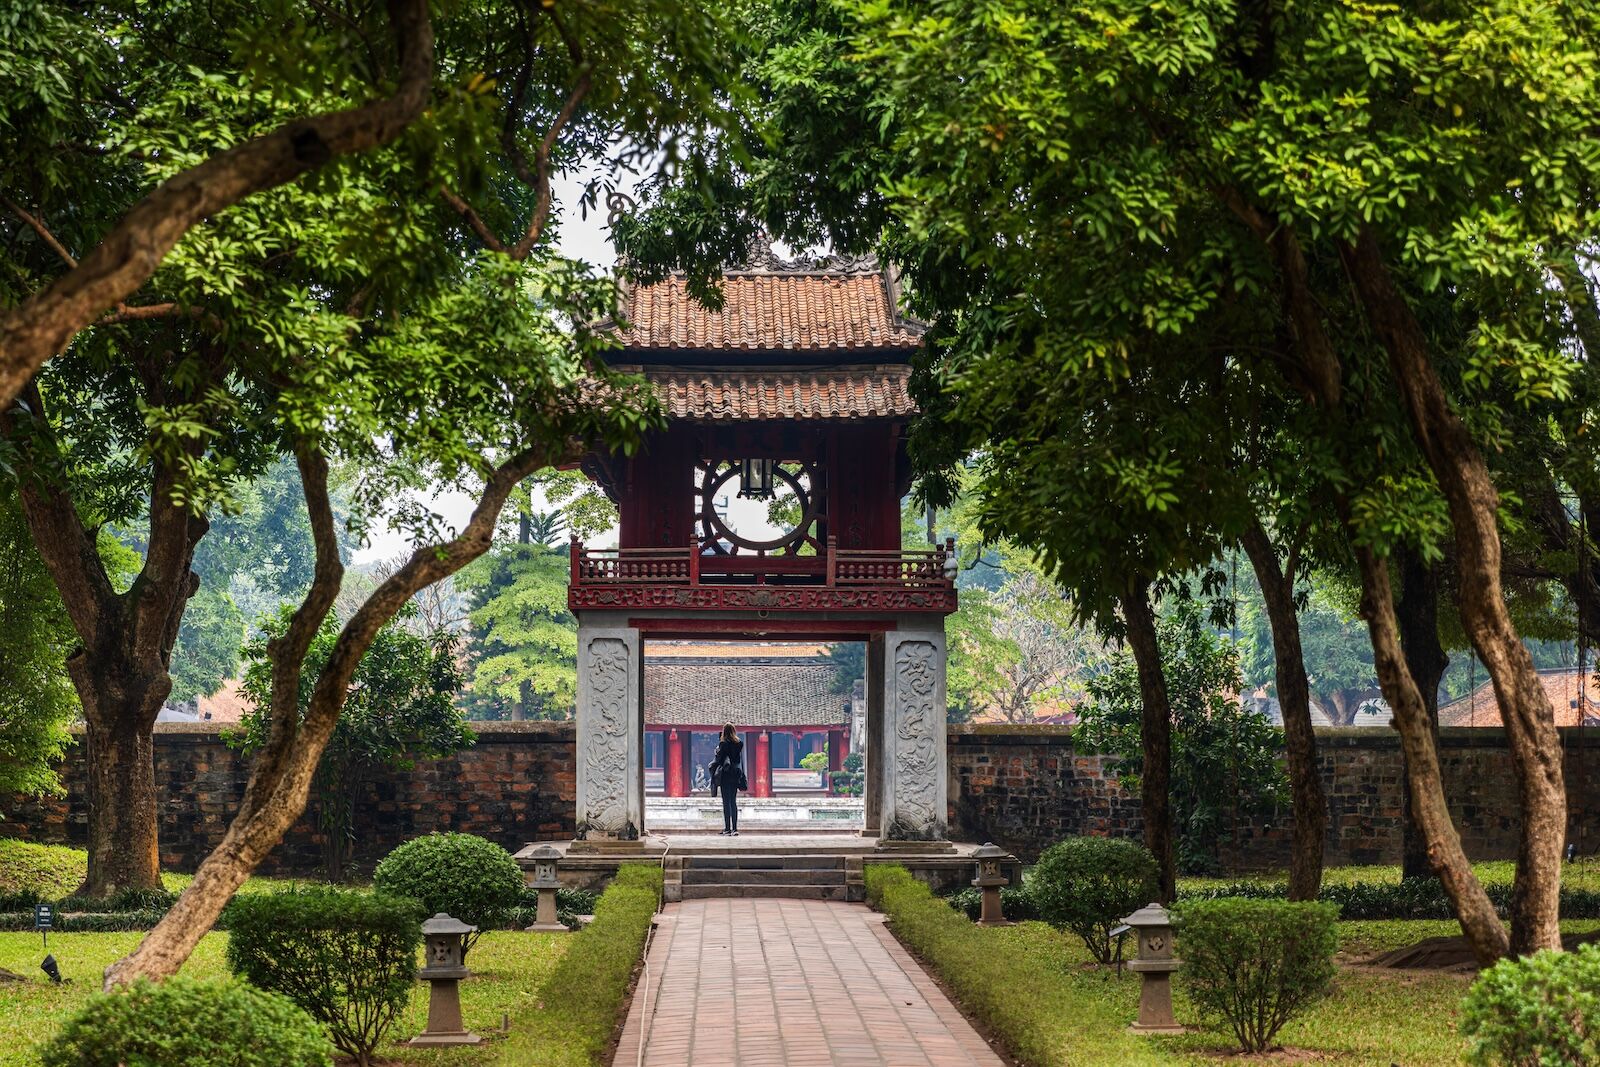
x: 730, y: 754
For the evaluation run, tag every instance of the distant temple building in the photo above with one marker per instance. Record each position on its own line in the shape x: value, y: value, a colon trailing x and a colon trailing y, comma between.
x: 781, y: 695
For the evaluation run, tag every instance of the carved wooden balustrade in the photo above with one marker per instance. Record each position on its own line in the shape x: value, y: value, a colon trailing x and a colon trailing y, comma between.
x: 835, y: 579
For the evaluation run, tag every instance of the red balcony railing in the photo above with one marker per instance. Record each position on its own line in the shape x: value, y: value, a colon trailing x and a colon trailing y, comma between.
x: 835, y: 568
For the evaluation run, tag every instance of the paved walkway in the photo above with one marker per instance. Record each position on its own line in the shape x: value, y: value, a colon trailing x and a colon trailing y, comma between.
x: 804, y: 984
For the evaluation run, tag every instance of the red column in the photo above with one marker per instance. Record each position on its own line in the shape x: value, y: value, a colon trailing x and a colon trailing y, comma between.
x: 673, y: 773
x: 836, y: 745
x: 763, y: 779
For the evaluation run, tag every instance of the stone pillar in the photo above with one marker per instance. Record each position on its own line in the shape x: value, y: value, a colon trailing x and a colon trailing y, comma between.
x: 761, y: 781
x: 610, y: 733
x: 913, y: 735
x: 873, y: 751
x: 672, y: 772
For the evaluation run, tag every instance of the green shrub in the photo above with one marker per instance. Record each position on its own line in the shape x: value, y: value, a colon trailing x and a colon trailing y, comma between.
x: 1016, y: 903
x: 1539, y: 1011
x: 880, y: 877
x: 1255, y: 963
x: 1412, y: 898
x: 583, y: 995
x: 185, y: 1023
x: 467, y: 877
x: 346, y: 956
x: 1089, y: 884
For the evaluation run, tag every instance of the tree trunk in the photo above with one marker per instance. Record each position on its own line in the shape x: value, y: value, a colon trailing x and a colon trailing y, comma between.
x: 1418, y: 615
x: 1473, y: 502
x: 1155, y: 776
x: 1446, y: 858
x: 123, y: 815
x: 1294, y: 698
x: 281, y: 776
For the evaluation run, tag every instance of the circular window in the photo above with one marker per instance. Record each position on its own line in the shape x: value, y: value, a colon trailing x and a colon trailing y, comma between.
x: 782, y: 523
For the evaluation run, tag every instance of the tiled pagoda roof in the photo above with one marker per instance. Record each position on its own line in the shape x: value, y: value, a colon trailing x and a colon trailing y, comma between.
x: 771, y: 311
x: 1481, y: 708
x: 872, y: 392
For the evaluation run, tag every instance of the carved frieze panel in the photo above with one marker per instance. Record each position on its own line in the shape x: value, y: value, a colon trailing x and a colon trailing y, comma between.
x: 758, y: 598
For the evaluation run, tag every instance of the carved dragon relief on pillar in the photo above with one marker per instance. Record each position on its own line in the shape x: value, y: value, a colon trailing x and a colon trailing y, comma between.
x: 917, y: 721
x: 605, y: 760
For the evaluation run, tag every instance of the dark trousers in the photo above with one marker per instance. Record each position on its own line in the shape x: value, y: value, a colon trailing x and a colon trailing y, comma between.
x: 730, y: 805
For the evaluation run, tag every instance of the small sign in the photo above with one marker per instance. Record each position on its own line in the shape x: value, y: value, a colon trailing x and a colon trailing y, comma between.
x: 44, y: 917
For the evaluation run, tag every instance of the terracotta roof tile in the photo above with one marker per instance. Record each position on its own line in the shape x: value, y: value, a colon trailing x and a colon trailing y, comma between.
x: 770, y: 312
x: 745, y: 694
x: 879, y: 392
x: 1480, y: 708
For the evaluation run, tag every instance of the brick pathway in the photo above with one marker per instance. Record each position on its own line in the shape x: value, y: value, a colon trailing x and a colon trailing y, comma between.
x: 807, y: 984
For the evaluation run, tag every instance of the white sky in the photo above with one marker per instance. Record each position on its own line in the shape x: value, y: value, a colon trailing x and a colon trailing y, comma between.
x: 588, y: 240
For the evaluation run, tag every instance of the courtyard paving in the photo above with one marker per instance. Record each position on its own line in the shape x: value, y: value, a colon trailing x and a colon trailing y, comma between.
x: 789, y: 983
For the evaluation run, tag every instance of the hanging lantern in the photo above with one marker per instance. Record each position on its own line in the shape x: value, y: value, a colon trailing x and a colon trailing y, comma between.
x: 755, y: 478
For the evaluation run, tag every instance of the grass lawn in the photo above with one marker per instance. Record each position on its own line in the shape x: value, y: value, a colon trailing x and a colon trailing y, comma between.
x: 1080, y: 1015
x: 508, y: 967
x: 49, y: 870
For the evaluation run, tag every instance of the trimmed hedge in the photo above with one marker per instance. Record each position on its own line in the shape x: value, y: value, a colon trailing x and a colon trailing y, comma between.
x: 1255, y: 963
x: 1539, y: 1011
x: 1088, y: 885
x: 346, y: 956
x: 185, y: 1023
x: 584, y: 995
x: 964, y: 956
x: 1412, y: 898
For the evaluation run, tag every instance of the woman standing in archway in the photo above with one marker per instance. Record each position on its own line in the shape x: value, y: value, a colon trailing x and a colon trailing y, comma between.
x: 727, y: 775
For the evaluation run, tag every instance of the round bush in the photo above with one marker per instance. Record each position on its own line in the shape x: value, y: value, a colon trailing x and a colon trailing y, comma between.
x: 347, y: 957
x: 466, y: 877
x: 1255, y: 963
x: 1089, y: 884
x: 185, y: 1023
x: 1541, y: 1009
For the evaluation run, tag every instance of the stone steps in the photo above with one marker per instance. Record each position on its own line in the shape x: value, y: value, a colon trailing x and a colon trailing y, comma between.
x: 764, y: 890
x: 781, y: 875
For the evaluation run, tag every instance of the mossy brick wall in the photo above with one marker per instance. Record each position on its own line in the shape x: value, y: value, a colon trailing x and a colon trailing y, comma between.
x: 513, y: 786
x: 1024, y: 787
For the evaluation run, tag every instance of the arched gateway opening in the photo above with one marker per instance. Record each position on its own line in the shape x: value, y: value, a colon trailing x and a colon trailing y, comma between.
x: 793, y: 396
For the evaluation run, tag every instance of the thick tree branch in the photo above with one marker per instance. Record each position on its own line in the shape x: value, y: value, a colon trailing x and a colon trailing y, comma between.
x: 473, y: 219
x: 126, y: 258
x: 541, y: 168
x: 280, y: 780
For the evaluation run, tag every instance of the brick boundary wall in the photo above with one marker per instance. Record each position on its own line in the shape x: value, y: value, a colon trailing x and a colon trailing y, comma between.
x: 513, y: 786
x: 1022, y: 787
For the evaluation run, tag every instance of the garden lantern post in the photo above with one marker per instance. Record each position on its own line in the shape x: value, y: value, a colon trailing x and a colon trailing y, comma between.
x: 1153, y: 926
x: 990, y: 878
x: 544, y: 879
x: 444, y: 948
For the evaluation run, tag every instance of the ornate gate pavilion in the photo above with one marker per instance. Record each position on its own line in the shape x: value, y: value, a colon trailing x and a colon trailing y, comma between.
x: 794, y: 393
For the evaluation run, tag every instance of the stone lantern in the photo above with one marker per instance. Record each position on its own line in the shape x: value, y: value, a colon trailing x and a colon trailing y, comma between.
x: 1152, y: 924
x: 443, y: 948
x: 990, y: 878
x: 544, y: 879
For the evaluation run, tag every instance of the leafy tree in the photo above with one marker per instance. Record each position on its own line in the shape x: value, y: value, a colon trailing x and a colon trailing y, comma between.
x: 400, y: 708
x: 1025, y: 650
x: 465, y: 359
x: 524, y: 641
x: 1224, y: 755
x: 1135, y: 271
